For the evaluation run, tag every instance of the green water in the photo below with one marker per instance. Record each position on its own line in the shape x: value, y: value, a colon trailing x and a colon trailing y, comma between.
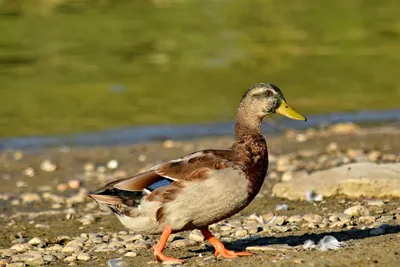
x: 70, y: 66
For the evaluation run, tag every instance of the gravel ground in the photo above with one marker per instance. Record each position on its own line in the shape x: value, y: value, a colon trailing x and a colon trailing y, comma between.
x: 48, y: 220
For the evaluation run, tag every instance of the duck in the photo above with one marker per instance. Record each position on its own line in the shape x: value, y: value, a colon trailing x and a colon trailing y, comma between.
x: 204, y: 187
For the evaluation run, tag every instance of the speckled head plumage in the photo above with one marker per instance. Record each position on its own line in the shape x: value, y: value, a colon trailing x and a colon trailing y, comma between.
x: 258, y: 101
x: 267, y: 97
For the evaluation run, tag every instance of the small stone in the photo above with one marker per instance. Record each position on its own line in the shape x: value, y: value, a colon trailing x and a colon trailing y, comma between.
x: 37, y: 242
x: 30, y: 197
x: 89, y: 167
x: 301, y: 138
x: 112, y: 164
x: 332, y: 147
x: 41, y: 225
x: 34, y: 258
x: 225, y: 228
x: 20, y: 247
x: 130, y: 238
x: 48, y: 258
x: 83, y: 257
x: 48, y: 166
x: 196, y: 235
x: 367, y: 220
x: 374, y: 155
x: 142, y: 158
x: 16, y: 264
x: 182, y: 243
x: 313, y: 218
x: 357, y: 211
x: 30, y: 172
x: 241, y: 233
x: 386, y: 218
x: 62, y: 187
x: 169, y: 144
x: 7, y: 252
x: 294, y: 219
x: 282, y: 207
x: 56, y: 247
x: 70, y: 258
x: 287, y: 176
x: 354, y: 153
x: 87, y: 219
x: 15, y: 202
x: 283, y: 164
x: 375, y: 202
x: 74, y: 184
x: 344, y: 128
x: 130, y: 254
x: 71, y: 249
x: 101, y: 169
x: 338, y: 224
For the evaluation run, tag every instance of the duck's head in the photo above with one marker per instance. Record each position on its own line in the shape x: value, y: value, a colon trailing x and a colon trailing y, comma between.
x: 264, y: 99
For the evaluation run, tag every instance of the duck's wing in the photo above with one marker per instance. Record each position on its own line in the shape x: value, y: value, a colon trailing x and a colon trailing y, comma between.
x: 161, y: 182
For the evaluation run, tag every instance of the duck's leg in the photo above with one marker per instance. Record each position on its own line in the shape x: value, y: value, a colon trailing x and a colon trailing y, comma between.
x: 220, y: 248
x: 161, y: 244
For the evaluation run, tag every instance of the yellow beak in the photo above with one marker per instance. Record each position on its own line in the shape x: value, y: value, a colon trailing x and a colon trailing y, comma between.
x: 287, y: 111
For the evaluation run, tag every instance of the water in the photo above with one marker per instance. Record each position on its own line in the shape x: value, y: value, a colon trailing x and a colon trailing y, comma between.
x: 140, y: 134
x: 82, y: 66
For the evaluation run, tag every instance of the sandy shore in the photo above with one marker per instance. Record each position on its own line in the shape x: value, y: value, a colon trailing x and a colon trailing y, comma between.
x: 42, y: 196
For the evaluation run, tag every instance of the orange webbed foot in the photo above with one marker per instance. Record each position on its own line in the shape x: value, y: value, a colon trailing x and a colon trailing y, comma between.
x: 220, y: 248
x: 231, y: 254
x: 157, y: 249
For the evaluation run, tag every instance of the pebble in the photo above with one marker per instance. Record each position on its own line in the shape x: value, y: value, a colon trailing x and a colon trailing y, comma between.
x: 281, y: 207
x: 287, y: 176
x: 130, y: 254
x: 241, y: 233
x: 313, y: 218
x: 74, y: 184
x: 130, y: 238
x: 89, y: 167
x: 21, y: 247
x: 142, y: 158
x: 366, y: 219
x: 62, y: 187
x: 112, y: 164
x: 182, y: 243
x: 196, y: 235
x: 35, y: 258
x: 16, y: 264
x: 48, y: 258
x: 71, y: 258
x: 37, y: 242
x: 294, y: 219
x: 375, y: 202
x: 357, y: 211
x: 48, y: 166
x: 83, y: 257
x: 87, y: 219
x: 374, y: 155
x: 30, y: 172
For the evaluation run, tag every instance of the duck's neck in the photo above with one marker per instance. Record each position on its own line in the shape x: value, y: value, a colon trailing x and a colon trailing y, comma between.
x: 247, y: 123
x: 250, y: 149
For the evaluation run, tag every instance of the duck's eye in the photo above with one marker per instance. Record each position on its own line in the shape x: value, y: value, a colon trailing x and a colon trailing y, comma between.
x: 268, y: 93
